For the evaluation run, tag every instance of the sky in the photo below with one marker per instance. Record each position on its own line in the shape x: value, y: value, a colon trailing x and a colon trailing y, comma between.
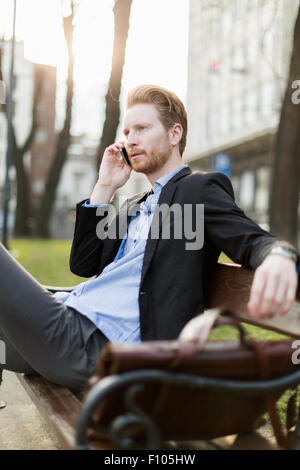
x: 156, y: 49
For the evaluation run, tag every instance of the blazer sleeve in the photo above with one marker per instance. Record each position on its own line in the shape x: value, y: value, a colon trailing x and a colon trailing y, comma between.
x: 87, y: 246
x: 228, y: 227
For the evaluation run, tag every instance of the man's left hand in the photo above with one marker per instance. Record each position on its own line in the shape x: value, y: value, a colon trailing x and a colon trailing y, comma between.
x: 274, y: 287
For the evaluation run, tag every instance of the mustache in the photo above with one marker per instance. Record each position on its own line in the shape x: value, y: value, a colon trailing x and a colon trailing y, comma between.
x: 135, y: 152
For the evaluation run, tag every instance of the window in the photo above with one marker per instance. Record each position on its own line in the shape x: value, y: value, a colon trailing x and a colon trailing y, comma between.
x: 247, y: 185
x: 212, y: 123
x: 250, y: 106
x: 262, y: 189
x: 238, y: 60
x: 252, y: 49
x: 226, y: 23
x: 236, y: 185
x: 251, y: 5
x: 237, y: 10
x: 224, y: 119
x: 77, y: 181
x: 237, y: 113
x: 265, y: 98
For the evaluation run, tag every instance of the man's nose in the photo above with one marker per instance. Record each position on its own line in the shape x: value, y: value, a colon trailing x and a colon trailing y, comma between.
x: 132, y: 140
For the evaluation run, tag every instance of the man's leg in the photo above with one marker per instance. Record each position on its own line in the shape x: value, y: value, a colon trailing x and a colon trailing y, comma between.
x: 50, y: 337
x: 10, y: 358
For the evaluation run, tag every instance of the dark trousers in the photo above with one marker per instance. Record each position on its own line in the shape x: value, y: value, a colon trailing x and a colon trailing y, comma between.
x: 41, y: 335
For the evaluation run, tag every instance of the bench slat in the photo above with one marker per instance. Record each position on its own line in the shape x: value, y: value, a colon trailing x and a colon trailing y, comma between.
x: 57, y: 404
x: 230, y: 287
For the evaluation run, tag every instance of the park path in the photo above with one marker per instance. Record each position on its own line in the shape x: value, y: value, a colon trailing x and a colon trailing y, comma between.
x: 21, y: 425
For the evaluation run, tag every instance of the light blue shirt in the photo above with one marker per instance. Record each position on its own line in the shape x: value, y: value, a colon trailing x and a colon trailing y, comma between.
x: 110, y: 300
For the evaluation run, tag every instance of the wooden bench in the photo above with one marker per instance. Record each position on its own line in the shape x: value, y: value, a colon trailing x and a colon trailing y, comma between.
x: 229, y: 287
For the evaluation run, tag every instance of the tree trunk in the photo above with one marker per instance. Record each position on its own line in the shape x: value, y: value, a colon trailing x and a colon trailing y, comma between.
x: 112, y: 115
x: 284, y: 198
x: 2, y: 109
x: 48, y: 199
x: 22, y: 227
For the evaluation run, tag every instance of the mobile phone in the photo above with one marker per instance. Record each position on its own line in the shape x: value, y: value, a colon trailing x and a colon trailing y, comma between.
x: 124, y: 154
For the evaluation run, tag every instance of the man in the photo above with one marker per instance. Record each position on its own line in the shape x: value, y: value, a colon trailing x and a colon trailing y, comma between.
x: 144, y: 287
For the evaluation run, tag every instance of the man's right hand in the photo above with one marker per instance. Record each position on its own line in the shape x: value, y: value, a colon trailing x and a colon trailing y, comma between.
x: 113, y: 174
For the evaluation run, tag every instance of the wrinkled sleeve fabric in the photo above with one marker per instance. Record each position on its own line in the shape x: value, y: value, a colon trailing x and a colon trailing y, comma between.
x: 239, y: 237
x: 86, y: 247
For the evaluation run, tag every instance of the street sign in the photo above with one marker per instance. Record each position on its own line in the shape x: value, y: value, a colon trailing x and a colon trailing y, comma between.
x: 222, y: 162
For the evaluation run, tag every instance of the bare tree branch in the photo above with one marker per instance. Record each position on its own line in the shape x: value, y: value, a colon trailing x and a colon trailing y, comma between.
x: 122, y: 15
x: 48, y: 199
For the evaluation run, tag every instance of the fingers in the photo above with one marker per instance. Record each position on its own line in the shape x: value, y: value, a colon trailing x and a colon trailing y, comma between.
x: 273, y: 289
x: 112, y: 157
x: 280, y: 295
x: 256, y: 293
x: 113, y: 171
x: 290, y: 298
x: 113, y: 149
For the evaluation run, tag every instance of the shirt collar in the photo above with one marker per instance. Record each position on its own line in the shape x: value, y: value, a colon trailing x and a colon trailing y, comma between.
x: 163, y: 180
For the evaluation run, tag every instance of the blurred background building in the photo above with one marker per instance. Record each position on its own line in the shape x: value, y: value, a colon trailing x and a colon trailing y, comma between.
x: 79, y: 173
x: 43, y: 146
x: 238, y: 61
x: 77, y: 181
x: 239, y: 56
x: 22, y: 101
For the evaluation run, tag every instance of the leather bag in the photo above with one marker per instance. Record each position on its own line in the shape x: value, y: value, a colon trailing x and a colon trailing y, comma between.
x: 183, y: 412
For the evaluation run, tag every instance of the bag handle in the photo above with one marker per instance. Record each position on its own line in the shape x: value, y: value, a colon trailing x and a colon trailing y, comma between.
x: 195, y: 334
x: 193, y: 338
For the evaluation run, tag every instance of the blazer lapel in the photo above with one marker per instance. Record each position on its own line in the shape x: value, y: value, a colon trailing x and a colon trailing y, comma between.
x: 166, y: 197
x: 126, y: 211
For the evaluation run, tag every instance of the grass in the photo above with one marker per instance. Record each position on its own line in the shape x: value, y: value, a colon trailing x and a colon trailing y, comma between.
x: 48, y: 262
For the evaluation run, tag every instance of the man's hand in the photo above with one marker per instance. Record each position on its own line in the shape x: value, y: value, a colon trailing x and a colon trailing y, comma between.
x: 274, y: 287
x: 113, y: 174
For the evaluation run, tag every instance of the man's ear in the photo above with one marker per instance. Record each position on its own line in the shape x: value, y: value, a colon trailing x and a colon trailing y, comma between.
x: 175, y: 134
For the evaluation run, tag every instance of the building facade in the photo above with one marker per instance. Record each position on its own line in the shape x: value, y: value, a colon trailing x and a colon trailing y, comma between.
x: 22, y: 106
x: 76, y: 183
x: 239, y: 57
x: 37, y: 82
x: 43, y: 147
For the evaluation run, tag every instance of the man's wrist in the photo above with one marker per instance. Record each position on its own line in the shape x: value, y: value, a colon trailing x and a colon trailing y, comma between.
x: 286, y: 252
x: 102, y: 194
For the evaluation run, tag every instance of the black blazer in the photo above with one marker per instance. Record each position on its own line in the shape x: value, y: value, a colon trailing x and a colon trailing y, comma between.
x: 173, y: 279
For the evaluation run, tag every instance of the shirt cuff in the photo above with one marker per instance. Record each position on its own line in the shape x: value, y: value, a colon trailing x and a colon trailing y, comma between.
x: 87, y: 204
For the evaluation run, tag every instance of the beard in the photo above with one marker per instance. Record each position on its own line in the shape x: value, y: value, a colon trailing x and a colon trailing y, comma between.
x: 152, y: 161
